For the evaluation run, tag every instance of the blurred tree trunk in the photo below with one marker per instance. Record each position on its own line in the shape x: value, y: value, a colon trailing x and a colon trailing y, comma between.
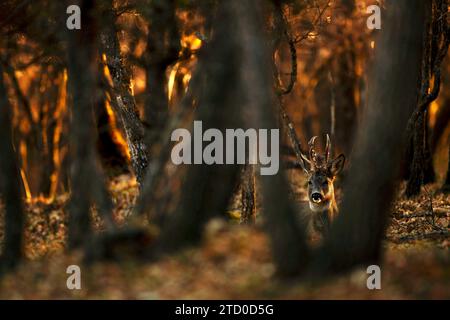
x: 9, y: 187
x: 123, y: 100
x: 86, y: 179
x: 356, y: 238
x: 163, y: 46
x: 288, y: 243
x: 207, y: 189
x: 344, y: 85
x: 435, y: 46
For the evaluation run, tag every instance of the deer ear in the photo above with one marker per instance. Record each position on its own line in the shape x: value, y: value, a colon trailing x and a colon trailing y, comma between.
x: 337, y: 165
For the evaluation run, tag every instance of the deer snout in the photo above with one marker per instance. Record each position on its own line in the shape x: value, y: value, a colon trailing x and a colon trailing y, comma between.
x: 316, y: 197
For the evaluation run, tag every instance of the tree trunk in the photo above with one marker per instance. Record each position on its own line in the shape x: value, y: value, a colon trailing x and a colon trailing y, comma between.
x: 344, y: 86
x: 435, y: 49
x: 10, y: 187
x: 163, y: 46
x: 202, y: 196
x: 248, y: 195
x: 86, y: 178
x: 416, y: 174
x: 356, y: 238
x: 123, y: 101
x: 288, y: 243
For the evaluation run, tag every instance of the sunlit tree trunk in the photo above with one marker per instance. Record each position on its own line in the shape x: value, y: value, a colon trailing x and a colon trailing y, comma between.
x: 356, y: 238
x: 123, y: 99
x: 9, y: 187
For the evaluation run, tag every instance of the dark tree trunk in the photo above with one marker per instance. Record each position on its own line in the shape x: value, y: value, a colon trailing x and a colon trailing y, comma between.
x: 86, y: 178
x: 9, y: 188
x: 435, y: 49
x: 123, y: 101
x: 82, y: 74
x: 356, y: 237
x: 163, y: 46
x: 289, y: 247
x: 343, y: 87
x: 416, y: 173
x: 345, y: 104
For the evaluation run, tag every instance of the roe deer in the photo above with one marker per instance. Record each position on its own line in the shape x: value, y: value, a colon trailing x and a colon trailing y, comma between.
x: 321, y: 171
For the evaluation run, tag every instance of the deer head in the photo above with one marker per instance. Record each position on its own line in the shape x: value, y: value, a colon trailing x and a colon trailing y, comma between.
x: 322, y: 170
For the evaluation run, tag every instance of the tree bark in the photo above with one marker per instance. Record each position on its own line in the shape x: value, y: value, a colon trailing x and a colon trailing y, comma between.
x: 123, y: 99
x: 248, y: 195
x: 10, y: 187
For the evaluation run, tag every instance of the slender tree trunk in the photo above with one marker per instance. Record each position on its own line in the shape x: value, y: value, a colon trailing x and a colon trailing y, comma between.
x: 10, y: 187
x: 356, y: 237
x: 123, y: 100
x: 435, y: 48
x: 416, y: 174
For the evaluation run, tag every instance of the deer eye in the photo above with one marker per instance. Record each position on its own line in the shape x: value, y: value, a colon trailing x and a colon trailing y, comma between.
x: 309, y: 182
x: 325, y: 183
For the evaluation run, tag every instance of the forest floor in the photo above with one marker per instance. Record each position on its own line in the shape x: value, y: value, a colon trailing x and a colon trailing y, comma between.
x: 234, y: 262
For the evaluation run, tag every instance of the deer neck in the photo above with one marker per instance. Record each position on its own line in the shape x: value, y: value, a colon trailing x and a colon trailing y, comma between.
x: 332, y: 210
